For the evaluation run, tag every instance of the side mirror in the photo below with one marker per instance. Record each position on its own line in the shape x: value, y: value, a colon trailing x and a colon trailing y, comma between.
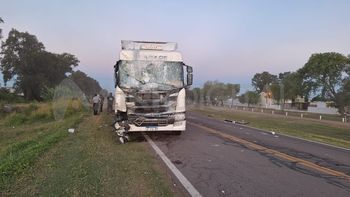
x: 116, y: 69
x: 189, y: 70
x: 116, y: 66
x: 189, y: 79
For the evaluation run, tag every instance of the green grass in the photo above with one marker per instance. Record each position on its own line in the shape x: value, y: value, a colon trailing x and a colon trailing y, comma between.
x: 26, y: 134
x: 43, y: 159
x: 330, y: 117
x: 336, y: 134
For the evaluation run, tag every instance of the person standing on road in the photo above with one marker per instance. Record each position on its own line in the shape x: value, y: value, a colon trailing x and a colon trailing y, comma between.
x: 95, y: 103
x: 101, y: 102
x: 110, y: 100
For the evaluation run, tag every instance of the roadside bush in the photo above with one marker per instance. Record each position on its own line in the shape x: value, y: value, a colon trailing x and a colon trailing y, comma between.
x: 43, y: 112
x: 7, y: 97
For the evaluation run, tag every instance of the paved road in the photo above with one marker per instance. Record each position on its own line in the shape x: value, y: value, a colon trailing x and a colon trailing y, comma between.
x: 218, y: 165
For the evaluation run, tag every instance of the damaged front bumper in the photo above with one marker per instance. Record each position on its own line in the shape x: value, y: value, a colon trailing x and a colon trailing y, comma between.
x: 136, y: 123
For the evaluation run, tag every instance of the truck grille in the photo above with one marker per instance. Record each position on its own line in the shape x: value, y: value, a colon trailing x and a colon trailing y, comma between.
x: 151, y: 103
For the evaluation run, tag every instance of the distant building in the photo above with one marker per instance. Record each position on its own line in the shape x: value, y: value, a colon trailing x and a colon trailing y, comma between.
x: 322, y: 107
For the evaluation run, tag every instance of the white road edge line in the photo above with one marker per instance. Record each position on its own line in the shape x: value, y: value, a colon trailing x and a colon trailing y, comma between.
x: 188, y: 186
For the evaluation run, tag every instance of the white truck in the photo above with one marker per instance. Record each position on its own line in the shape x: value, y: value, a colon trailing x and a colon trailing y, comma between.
x: 150, y: 88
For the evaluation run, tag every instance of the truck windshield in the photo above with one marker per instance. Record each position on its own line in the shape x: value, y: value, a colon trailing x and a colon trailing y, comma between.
x: 160, y: 75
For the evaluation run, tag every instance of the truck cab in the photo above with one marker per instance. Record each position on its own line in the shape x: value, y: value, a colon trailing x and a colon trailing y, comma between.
x: 150, y: 88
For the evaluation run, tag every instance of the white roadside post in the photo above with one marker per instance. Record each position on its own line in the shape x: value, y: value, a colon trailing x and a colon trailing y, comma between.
x: 320, y: 117
x: 301, y: 115
x: 273, y: 112
x: 286, y: 113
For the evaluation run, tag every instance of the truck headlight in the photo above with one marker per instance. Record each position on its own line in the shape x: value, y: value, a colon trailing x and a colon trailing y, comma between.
x: 179, y: 117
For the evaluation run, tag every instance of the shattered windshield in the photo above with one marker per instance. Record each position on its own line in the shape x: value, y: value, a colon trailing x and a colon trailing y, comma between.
x: 151, y: 75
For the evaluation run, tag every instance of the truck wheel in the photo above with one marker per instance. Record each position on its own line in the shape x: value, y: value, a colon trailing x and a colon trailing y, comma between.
x: 177, y: 132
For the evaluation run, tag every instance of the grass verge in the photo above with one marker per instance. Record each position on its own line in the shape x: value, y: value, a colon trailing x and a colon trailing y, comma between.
x: 333, y: 134
x: 90, y: 163
x: 27, y: 133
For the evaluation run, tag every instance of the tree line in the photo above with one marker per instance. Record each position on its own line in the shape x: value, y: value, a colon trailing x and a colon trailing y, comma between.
x: 213, y: 92
x: 33, y: 70
x: 324, y: 77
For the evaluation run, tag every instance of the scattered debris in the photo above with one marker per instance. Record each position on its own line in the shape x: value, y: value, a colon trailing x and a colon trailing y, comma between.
x: 177, y: 162
x: 7, y: 109
x: 242, y: 122
x: 71, y: 130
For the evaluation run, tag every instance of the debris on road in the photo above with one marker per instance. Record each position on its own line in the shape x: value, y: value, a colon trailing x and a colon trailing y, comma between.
x: 243, y: 122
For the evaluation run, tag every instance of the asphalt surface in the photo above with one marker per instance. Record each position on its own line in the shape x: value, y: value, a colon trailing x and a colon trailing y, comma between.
x: 217, y: 166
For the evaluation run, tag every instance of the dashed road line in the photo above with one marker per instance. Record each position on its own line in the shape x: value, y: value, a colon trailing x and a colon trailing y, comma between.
x: 183, y: 180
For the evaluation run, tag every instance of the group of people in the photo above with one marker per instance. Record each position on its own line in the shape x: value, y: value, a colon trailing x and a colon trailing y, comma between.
x: 98, y: 101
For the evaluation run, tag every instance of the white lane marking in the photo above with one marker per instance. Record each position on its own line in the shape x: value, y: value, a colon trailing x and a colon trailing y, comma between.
x: 188, y: 186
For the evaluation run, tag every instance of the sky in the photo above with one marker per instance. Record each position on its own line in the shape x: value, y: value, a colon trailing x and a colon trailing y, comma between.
x: 228, y: 41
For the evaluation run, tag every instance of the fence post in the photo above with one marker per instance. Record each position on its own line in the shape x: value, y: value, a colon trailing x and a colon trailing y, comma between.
x: 343, y: 119
x: 301, y: 115
x: 320, y: 117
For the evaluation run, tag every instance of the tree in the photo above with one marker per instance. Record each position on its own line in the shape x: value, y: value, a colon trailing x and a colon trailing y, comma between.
x: 1, y: 21
x: 293, y: 86
x: 289, y: 87
x: 215, y: 91
x: 87, y: 84
x: 249, y: 97
x: 32, y: 68
x: 261, y: 80
x: 328, y: 74
x: 277, y: 92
